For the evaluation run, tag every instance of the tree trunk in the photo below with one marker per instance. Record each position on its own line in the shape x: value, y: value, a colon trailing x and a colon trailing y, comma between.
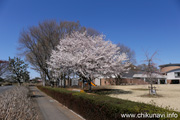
x: 61, y: 83
x: 69, y: 81
x: 43, y: 78
x: 118, y: 80
x: 64, y: 80
x: 57, y: 82
x: 90, y: 86
x: 19, y: 83
x: 82, y: 84
x: 151, y: 85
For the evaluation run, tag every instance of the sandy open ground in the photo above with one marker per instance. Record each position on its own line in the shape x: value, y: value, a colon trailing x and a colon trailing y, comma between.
x: 170, y: 94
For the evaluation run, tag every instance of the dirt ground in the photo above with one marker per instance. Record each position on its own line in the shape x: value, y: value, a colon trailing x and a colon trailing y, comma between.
x: 169, y: 95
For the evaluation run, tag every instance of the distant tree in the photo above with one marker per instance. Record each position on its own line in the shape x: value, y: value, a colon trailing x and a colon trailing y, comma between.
x: 18, y: 69
x: 144, y: 67
x: 129, y: 52
x: 35, y: 80
x: 130, y: 58
x: 1, y: 79
x: 25, y: 76
x: 3, y: 67
x: 92, y: 32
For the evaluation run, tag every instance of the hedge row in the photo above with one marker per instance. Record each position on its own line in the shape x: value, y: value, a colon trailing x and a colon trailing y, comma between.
x: 99, y: 107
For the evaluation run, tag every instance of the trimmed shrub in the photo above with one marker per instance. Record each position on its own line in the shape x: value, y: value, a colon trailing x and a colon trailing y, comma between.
x: 99, y: 107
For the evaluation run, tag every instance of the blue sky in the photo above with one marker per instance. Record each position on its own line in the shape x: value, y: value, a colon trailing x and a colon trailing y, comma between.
x: 142, y: 25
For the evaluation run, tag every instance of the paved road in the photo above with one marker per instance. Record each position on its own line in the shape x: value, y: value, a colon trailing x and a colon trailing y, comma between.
x: 4, y: 88
x: 51, y: 109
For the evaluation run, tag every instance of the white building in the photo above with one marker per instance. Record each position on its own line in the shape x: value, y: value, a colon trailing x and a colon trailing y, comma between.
x: 172, y: 73
x: 157, y: 78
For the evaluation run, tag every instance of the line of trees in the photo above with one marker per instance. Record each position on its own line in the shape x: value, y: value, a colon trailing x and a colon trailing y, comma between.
x: 37, y: 43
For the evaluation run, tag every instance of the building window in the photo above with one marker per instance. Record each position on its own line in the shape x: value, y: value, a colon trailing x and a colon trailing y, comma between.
x: 177, y: 74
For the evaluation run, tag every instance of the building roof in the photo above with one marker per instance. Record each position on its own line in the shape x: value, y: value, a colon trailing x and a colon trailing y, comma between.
x: 131, y: 72
x: 167, y: 65
x: 145, y: 76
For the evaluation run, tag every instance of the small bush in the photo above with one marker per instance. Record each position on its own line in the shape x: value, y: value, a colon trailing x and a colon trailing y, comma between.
x: 99, y: 107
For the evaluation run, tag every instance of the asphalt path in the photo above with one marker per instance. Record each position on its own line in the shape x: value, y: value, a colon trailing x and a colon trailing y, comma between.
x: 4, y: 88
x: 50, y: 109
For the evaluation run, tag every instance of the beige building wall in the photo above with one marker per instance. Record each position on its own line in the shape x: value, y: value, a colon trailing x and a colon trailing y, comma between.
x: 169, y: 68
x: 168, y: 81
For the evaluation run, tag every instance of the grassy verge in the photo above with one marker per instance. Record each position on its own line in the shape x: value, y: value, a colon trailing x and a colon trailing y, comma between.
x: 100, y: 107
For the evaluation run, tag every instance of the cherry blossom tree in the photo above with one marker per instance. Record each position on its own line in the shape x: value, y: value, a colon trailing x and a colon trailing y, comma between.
x: 88, y: 56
